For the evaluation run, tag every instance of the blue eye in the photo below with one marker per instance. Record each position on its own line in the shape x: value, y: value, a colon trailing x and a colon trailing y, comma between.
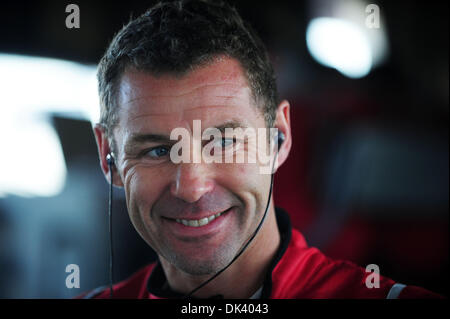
x: 158, y: 152
x: 226, y: 142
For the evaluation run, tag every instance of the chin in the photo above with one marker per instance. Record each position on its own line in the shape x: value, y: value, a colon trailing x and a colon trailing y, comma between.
x: 200, y: 266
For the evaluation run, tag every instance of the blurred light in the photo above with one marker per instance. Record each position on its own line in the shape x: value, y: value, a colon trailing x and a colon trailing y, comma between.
x: 44, y: 85
x: 339, y: 44
x: 338, y: 36
x: 31, y: 89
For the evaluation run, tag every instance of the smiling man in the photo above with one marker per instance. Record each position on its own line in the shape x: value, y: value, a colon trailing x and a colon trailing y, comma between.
x: 162, y: 195
x: 188, y: 62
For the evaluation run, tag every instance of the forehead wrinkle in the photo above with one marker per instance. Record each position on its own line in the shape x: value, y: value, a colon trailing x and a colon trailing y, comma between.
x: 182, y: 113
x: 175, y: 107
x: 238, y: 87
x: 224, y: 71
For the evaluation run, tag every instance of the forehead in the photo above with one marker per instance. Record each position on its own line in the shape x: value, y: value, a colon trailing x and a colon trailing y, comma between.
x: 216, y: 92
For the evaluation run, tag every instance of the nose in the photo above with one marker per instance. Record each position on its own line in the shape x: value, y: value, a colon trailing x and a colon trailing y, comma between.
x: 192, y: 181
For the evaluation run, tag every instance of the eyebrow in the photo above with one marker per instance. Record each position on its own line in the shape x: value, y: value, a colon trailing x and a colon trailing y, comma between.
x: 137, y: 139
x: 231, y: 124
x: 143, y: 138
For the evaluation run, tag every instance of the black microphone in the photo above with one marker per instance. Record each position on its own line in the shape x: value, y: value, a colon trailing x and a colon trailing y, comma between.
x: 281, y: 138
x: 111, y: 163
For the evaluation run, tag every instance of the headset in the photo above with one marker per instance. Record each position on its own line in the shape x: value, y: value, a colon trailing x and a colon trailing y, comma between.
x: 111, y: 162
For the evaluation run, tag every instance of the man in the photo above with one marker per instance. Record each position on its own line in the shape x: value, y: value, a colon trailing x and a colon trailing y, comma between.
x: 189, y: 62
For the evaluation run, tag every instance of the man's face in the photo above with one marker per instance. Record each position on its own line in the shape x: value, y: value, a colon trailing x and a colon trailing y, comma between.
x: 166, y: 200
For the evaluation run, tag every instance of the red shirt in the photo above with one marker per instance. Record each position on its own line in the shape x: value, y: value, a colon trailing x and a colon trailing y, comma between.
x: 297, y: 271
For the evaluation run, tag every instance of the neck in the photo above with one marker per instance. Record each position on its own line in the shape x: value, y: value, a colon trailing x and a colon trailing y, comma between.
x: 244, y: 277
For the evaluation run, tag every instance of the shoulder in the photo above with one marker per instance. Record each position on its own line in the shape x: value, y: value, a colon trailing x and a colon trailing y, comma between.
x: 305, y: 272
x: 132, y: 288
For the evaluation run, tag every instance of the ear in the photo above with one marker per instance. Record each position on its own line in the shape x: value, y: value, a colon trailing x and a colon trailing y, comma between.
x: 283, y: 124
x: 103, y: 150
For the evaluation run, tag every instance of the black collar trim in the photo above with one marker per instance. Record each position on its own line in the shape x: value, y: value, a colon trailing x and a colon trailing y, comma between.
x: 285, y: 229
x: 157, y: 282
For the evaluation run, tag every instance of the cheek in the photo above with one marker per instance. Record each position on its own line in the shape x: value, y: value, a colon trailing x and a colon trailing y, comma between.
x: 242, y: 179
x: 248, y: 179
x: 142, y: 187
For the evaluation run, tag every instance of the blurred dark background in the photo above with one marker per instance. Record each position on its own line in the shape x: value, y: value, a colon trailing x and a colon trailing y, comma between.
x: 367, y: 179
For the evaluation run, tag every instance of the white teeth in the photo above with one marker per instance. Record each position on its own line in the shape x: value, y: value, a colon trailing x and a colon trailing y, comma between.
x: 197, y: 222
x: 193, y: 223
x: 203, y: 221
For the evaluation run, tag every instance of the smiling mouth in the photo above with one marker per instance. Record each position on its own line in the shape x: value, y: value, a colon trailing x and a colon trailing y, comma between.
x: 202, y: 221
